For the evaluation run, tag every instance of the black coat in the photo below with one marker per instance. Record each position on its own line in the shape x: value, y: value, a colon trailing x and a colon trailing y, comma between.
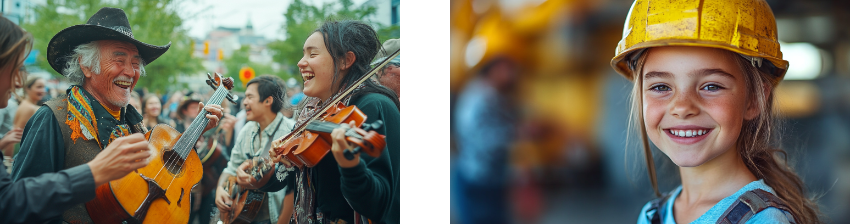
x: 44, y: 197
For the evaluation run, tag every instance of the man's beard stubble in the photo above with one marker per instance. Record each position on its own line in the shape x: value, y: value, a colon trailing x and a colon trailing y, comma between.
x: 392, y: 82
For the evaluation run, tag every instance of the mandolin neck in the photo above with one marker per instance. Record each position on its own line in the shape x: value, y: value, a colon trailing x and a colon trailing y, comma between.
x: 193, y: 132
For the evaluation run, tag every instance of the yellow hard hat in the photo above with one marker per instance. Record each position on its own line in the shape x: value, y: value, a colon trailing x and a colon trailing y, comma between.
x: 493, y: 38
x: 746, y: 27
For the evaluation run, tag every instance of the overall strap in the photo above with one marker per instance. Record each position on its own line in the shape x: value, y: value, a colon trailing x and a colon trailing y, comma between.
x: 750, y: 203
x: 656, y: 210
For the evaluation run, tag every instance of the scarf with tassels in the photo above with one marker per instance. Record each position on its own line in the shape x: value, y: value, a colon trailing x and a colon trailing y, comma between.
x: 90, y: 121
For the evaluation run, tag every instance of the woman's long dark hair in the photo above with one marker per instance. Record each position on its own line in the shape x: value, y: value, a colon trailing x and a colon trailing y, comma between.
x: 342, y: 36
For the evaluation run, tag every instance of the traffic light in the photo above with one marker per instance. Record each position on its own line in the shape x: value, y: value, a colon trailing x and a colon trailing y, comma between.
x: 206, y: 47
x: 220, y: 54
x: 246, y: 74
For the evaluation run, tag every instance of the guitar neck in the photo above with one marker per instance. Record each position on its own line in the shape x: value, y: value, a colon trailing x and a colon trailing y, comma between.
x: 193, y: 132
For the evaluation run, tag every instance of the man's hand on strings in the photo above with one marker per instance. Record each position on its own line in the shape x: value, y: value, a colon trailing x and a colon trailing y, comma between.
x: 214, y: 114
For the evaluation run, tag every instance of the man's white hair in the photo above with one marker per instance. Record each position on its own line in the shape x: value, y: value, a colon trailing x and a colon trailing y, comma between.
x: 87, y: 55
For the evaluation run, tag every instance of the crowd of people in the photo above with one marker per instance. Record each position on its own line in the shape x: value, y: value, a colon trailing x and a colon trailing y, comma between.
x: 63, y: 147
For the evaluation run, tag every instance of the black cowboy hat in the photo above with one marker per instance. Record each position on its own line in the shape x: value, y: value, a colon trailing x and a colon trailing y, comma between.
x: 105, y: 24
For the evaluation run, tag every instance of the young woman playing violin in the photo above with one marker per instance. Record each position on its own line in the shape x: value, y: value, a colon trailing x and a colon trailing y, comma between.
x: 336, y: 55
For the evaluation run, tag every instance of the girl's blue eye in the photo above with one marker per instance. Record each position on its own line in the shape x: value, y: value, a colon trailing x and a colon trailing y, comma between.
x: 660, y: 88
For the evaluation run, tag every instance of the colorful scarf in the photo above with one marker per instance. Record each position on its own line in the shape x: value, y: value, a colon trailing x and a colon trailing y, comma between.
x: 83, y: 122
x: 306, y: 211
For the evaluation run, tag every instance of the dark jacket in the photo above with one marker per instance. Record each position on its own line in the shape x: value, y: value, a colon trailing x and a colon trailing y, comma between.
x: 44, y: 197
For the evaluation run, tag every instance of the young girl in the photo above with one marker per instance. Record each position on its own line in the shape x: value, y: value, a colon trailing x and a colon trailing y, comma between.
x: 336, y: 55
x: 704, y: 75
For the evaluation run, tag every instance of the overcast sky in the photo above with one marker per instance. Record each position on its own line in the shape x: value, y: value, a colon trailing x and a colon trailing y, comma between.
x: 202, y: 16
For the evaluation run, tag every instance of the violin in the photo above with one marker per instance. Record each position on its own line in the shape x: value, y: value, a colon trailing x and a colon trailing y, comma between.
x: 314, y: 143
x: 308, y: 143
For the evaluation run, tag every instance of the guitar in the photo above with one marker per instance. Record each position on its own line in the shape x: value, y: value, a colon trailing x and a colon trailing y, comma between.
x: 160, y: 191
x: 246, y: 203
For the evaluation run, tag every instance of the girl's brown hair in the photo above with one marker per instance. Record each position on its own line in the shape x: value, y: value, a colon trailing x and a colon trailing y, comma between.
x: 15, y: 44
x: 754, y: 142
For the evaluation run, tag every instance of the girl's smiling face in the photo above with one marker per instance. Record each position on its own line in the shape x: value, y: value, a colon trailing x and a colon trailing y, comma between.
x: 317, y: 67
x: 694, y: 102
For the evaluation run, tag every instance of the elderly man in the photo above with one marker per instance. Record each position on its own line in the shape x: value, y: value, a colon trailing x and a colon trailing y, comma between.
x: 104, y: 62
x: 390, y: 75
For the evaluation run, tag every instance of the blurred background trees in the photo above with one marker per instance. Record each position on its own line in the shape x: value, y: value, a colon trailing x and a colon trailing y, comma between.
x: 154, y: 21
x: 160, y: 22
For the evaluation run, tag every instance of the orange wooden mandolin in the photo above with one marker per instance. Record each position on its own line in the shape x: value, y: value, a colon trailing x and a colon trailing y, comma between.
x: 159, y: 192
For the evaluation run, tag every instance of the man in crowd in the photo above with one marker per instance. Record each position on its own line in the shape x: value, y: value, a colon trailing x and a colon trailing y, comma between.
x: 390, y: 75
x: 263, y: 101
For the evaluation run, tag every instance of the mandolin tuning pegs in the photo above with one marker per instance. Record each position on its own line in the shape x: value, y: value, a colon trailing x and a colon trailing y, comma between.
x: 231, y: 98
x: 228, y: 83
x: 210, y: 83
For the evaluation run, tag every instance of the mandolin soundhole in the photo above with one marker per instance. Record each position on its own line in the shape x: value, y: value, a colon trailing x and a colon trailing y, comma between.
x: 172, y: 162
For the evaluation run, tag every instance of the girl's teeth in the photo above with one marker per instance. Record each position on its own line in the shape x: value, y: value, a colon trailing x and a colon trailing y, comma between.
x: 688, y: 133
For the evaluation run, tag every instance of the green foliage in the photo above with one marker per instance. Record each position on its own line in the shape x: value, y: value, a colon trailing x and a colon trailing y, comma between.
x: 302, y: 19
x: 154, y: 21
x: 388, y: 32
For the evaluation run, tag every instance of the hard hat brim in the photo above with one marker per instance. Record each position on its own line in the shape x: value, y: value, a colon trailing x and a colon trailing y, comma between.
x: 621, y: 65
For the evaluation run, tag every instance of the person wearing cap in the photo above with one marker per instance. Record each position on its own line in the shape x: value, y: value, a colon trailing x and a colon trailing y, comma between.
x: 187, y: 111
x: 104, y: 61
x: 390, y: 75
x: 704, y: 77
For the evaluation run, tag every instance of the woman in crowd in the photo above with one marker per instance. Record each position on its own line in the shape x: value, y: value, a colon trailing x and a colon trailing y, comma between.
x: 33, y: 92
x: 337, y: 189
x: 151, y: 108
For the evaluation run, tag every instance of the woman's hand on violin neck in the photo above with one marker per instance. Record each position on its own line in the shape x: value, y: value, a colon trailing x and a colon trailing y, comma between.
x: 340, y: 145
x: 215, y: 113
